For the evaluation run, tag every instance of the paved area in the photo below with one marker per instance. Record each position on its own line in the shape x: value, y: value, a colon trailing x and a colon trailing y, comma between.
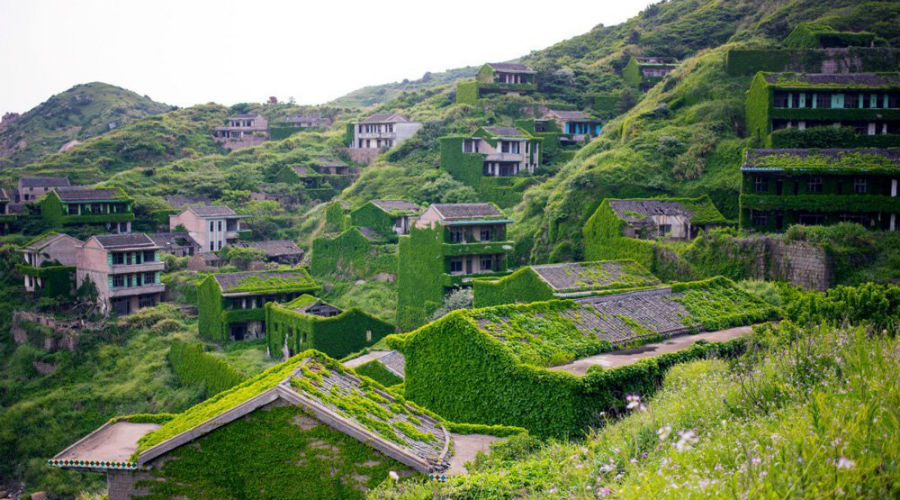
x: 114, y: 443
x: 465, y: 447
x: 628, y: 356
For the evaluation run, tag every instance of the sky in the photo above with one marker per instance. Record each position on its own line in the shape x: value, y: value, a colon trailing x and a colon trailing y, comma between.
x: 189, y: 52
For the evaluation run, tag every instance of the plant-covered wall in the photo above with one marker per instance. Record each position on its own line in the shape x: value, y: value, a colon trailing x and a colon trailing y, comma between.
x: 522, y: 286
x: 375, y: 218
x: 631, y: 73
x: 420, y: 267
x: 467, y: 92
x: 351, y: 254
x: 377, y: 372
x: 57, y: 281
x: 193, y: 367
x: 818, y: 35
x: 211, y: 322
x: 740, y: 62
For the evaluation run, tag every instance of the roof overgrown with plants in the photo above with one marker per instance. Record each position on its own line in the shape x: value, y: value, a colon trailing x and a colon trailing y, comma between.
x: 267, y: 281
x: 823, y: 160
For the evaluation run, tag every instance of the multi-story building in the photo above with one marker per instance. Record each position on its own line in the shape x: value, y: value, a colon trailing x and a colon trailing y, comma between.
x: 497, y: 78
x: 50, y: 260
x: 448, y: 246
x: 490, y: 152
x: 386, y: 217
x: 32, y: 189
x: 211, y: 226
x: 242, y: 131
x: 110, y: 209
x: 125, y: 269
x: 647, y: 71
x: 177, y: 244
x: 576, y: 126
x: 378, y: 133
x: 866, y: 104
x: 6, y: 218
x: 781, y: 187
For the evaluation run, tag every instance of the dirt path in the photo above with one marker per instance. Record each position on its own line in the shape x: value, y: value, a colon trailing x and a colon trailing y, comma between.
x: 634, y: 354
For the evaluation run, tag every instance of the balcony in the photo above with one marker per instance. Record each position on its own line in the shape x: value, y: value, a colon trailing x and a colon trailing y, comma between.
x: 477, y: 248
x: 376, y: 135
x: 137, y: 290
x: 155, y: 265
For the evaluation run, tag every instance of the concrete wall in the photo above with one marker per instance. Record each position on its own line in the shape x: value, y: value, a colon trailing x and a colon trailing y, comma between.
x: 798, y: 262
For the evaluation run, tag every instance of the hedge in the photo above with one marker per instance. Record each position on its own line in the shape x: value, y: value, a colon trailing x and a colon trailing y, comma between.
x: 194, y: 367
x: 377, y: 372
x: 420, y: 268
x: 352, y: 254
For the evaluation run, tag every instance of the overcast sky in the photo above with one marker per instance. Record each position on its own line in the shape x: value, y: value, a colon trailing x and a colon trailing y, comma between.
x: 186, y: 52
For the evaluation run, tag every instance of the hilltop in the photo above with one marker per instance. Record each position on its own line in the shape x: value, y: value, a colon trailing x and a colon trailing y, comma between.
x: 377, y: 94
x: 83, y: 111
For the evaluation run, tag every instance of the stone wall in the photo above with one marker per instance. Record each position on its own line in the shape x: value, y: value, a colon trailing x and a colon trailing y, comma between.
x: 47, y: 332
x: 363, y: 155
x: 800, y: 263
x: 121, y: 484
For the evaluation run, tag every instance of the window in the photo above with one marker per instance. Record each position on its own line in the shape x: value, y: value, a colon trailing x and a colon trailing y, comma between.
x: 761, y: 185
x: 823, y: 100
x: 781, y: 99
x: 811, y: 219
x: 220, y: 225
x: 814, y: 185
x: 851, y: 100
x: 149, y: 255
x: 149, y: 278
x: 760, y: 218
x: 118, y: 281
x: 456, y: 236
x: 219, y: 245
x: 212, y: 226
x: 118, y: 259
x: 486, y: 234
x: 859, y: 185
x: 665, y: 228
x: 456, y: 266
x: 212, y: 246
x: 487, y: 263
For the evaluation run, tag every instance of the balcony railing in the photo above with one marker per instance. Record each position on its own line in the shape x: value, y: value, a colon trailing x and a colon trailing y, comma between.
x: 137, y: 290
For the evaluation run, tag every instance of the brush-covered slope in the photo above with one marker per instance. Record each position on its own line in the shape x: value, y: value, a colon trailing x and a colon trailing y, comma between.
x: 84, y: 111
x: 377, y: 94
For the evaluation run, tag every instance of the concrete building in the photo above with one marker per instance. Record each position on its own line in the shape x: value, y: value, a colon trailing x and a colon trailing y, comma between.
x: 279, y: 251
x: 378, y: 133
x: 674, y: 219
x: 647, y: 71
x: 497, y: 78
x: 177, y: 244
x: 126, y: 270
x: 576, y: 125
x: 50, y: 249
x: 242, y: 131
x: 490, y: 152
x: 32, y: 189
x: 211, y: 226
x: 110, y: 209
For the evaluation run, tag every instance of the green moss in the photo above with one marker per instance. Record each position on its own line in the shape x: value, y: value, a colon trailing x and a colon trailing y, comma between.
x: 194, y: 367
x: 377, y: 372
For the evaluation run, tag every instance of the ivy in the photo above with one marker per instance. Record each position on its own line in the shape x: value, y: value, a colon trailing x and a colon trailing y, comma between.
x: 194, y: 367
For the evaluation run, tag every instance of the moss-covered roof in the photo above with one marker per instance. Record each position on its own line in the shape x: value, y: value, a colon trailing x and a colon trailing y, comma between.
x: 833, y: 80
x: 701, y: 210
x: 292, y: 280
x: 583, y: 276
x: 823, y: 160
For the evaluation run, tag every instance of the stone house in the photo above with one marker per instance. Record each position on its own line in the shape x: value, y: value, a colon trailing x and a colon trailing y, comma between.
x: 126, y: 270
x: 497, y: 78
x: 306, y: 428
x: 279, y: 251
x: 378, y: 133
x: 49, y: 249
x: 177, y: 244
x: 230, y: 306
x: 32, y: 189
x: 242, y: 131
x: 211, y: 226
x: 386, y: 217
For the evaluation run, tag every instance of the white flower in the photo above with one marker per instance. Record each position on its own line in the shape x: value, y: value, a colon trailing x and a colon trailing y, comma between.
x: 686, y: 439
x: 393, y: 475
x: 845, y: 463
x: 664, y: 432
x: 634, y: 401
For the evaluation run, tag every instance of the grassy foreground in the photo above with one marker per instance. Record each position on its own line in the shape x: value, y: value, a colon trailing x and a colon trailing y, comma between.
x: 805, y: 414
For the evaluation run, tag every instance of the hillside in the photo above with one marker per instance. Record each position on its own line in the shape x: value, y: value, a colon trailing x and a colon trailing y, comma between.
x: 84, y: 111
x: 378, y: 94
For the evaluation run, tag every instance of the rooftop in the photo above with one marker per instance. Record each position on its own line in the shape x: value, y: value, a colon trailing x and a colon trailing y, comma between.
x: 324, y: 161
x: 169, y: 240
x: 385, y: 118
x: 462, y: 211
x: 273, y: 248
x: 393, y: 361
x: 700, y: 210
x: 570, y: 115
x: 309, y: 304
x: 395, y: 206
x: 81, y: 193
x: 45, y: 239
x: 832, y: 160
x: 504, y: 131
x: 879, y: 80
x: 656, y: 60
x: 244, y: 116
x: 44, y: 182
x: 213, y: 211
x: 129, y: 240
x: 582, y: 276
x: 511, y: 67
x: 266, y: 281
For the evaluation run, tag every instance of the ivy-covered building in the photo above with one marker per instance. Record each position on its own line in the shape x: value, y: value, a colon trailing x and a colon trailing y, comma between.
x: 304, y: 429
x: 6, y: 218
x: 124, y: 268
x: 781, y: 187
x: 308, y: 322
x: 378, y: 133
x: 559, y: 281
x: 50, y: 261
x: 824, y: 110
x: 386, y: 217
x: 497, y: 78
x: 322, y: 178
x: 284, y: 252
x: 647, y: 71
x: 241, y: 131
x: 231, y: 306
x: 109, y: 209
x: 576, y: 126
x: 529, y: 365
x: 822, y: 36
x: 449, y: 245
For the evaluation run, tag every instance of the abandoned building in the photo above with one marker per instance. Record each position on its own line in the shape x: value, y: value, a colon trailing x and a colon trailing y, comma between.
x: 490, y: 152
x: 31, y: 189
x: 645, y: 72
x: 782, y: 105
x: 241, y: 131
x: 308, y: 322
x: 305, y: 412
x: 781, y: 187
x: 386, y: 217
x: 279, y: 251
x: 676, y: 218
x: 211, y: 226
x: 124, y: 268
x: 312, y: 120
x: 177, y: 244
x: 576, y: 126
x: 231, y: 306
x: 109, y: 209
x: 6, y: 217
x: 378, y: 133
x: 50, y: 257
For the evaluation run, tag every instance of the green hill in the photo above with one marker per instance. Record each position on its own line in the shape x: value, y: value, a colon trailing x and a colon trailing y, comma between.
x: 377, y: 94
x: 84, y: 111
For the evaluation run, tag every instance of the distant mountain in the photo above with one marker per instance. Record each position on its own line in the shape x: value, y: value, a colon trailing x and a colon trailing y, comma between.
x: 84, y: 111
x: 378, y: 94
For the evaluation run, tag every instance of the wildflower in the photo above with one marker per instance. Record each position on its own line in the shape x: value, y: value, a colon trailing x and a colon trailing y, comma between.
x: 686, y: 439
x: 634, y: 401
x: 633, y: 461
x: 393, y: 475
x: 664, y: 432
x: 604, y: 492
x: 607, y: 467
x: 845, y: 463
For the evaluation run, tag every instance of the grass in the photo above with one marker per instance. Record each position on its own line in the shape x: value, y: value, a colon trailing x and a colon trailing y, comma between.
x: 809, y: 414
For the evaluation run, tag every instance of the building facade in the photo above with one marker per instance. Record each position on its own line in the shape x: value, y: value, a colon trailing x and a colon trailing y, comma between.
x: 647, y: 71
x: 211, y: 226
x: 125, y: 269
x: 109, y: 209
x: 50, y: 260
x: 378, y: 133
x: 241, y: 131
x: 386, y: 217
x: 177, y: 244
x: 32, y: 189
x: 576, y: 126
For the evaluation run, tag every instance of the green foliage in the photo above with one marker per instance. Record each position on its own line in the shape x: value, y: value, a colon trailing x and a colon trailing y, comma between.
x: 468, y: 169
x: 351, y: 254
x: 335, y: 218
x: 194, y: 367
x: 419, y: 276
x: 241, y: 257
x: 878, y: 305
x: 749, y: 61
x: 817, y: 35
x: 717, y: 304
x: 631, y: 73
x: 467, y: 92
x: 210, y: 312
x: 830, y: 137
x: 377, y: 372
x: 57, y: 281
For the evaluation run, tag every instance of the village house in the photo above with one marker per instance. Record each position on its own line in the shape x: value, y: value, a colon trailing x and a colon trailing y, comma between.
x: 125, y: 269
x: 497, y: 78
x: 110, y: 209
x: 780, y: 106
x: 50, y: 257
x: 576, y: 126
x: 312, y: 120
x: 6, y: 217
x: 322, y: 177
x: 242, y: 131
x: 781, y: 187
x: 674, y: 219
x: 231, y: 306
x: 647, y: 71
x: 386, y: 217
x: 306, y: 415
x: 308, y: 322
x: 177, y: 244
x: 447, y: 246
x: 490, y: 152
x: 32, y: 189
x: 211, y: 226
x: 279, y: 251
x: 378, y: 133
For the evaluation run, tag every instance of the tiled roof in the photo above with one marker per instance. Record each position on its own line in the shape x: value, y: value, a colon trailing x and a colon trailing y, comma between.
x: 170, y: 240
x: 637, y: 210
x: 579, y: 276
x: 81, y: 193
x: 211, y: 210
x: 244, y: 116
x: 130, y: 240
x: 44, y: 182
x: 451, y: 211
x: 504, y: 131
x: 265, y: 281
x: 274, y: 248
x: 45, y: 239
x: 850, y: 79
x: 178, y: 201
x: 656, y: 60
x: 385, y: 118
x: 397, y: 206
x: 570, y: 115
x: 510, y: 67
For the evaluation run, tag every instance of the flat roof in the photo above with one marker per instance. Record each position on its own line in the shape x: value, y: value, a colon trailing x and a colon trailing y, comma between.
x: 109, y: 447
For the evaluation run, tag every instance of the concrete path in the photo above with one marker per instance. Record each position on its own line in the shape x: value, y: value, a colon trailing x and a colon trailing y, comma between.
x: 113, y: 443
x: 628, y: 356
x: 465, y: 447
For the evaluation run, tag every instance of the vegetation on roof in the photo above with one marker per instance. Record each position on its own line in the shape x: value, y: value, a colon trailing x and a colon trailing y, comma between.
x: 274, y: 280
x: 810, y: 162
